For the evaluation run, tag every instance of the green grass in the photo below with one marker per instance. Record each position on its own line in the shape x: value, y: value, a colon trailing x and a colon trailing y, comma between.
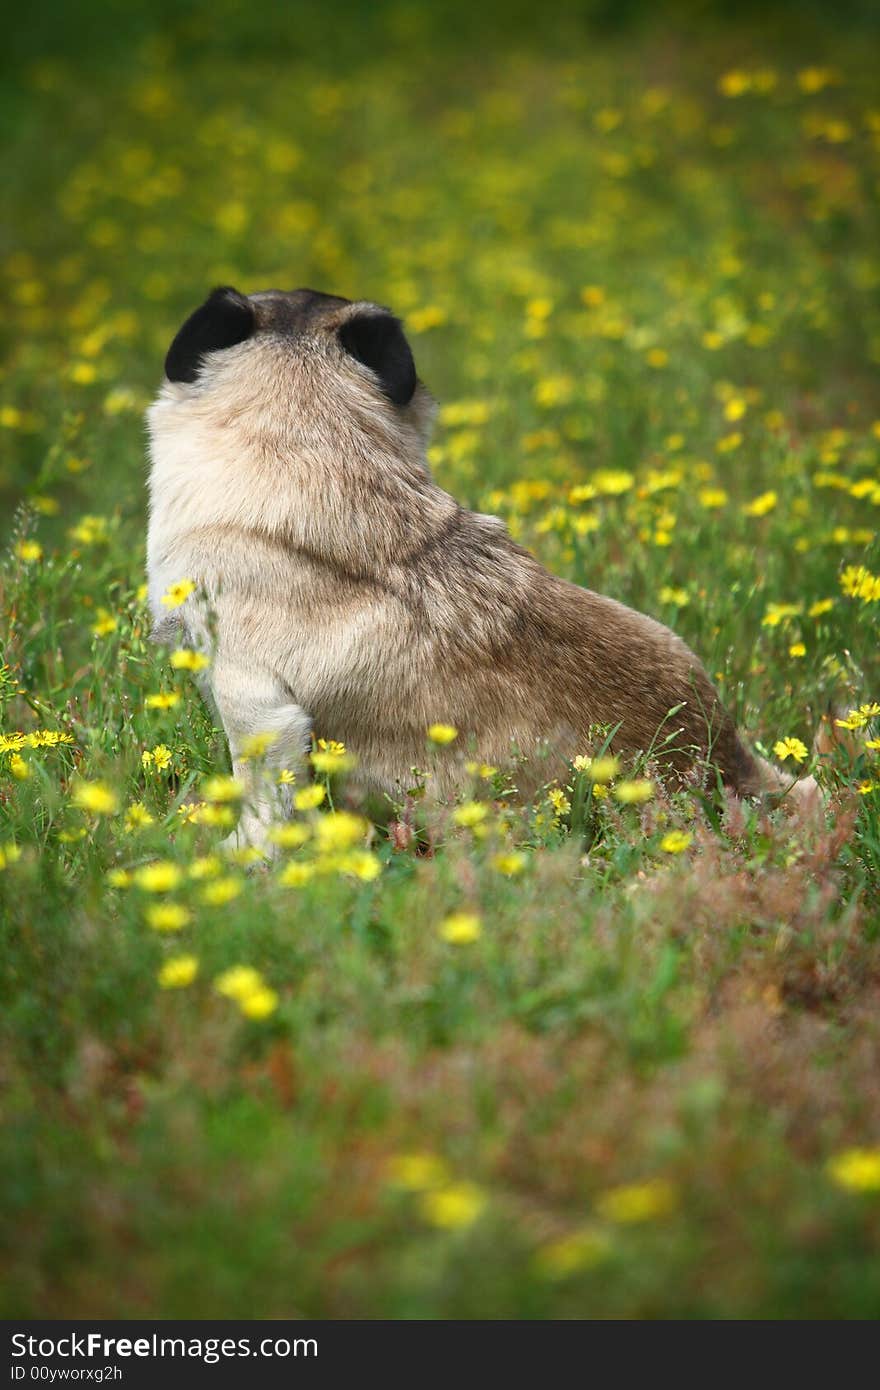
x: 640, y: 271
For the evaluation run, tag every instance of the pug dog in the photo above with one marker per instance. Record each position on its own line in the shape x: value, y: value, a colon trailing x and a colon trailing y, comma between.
x: 341, y: 594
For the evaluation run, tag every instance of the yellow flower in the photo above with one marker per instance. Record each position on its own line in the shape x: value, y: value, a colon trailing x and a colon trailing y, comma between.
x: 597, y: 769
x: 295, y: 875
x: 106, y: 623
x: 168, y: 916
x: 159, y: 877
x: 339, y: 830
x: 29, y: 551
x: 178, y: 972
x: 797, y: 649
x: 509, y: 864
x: 289, y: 835
x: 184, y: 659
x: 90, y: 530
x: 119, y: 878
x: 329, y: 762
x: 222, y: 789
x: 734, y: 83
x: 656, y: 357
x: 484, y: 770
x: 735, y: 408
x: 470, y: 813
x: 858, y: 718
x: 158, y: 757
x: 137, y: 816
x: 678, y: 597
x: 359, y: 862
x: 581, y: 1250
x: 453, y: 1207
x: 257, y: 745
x: 856, y: 1170
x: 239, y: 981
x: 559, y: 801
x: 19, y: 768
x: 761, y: 505
x: 9, y: 854
x: 635, y: 1202
x: 676, y: 841
x: 811, y: 80
x: 286, y: 777
x: 162, y: 700
x: 442, y: 733
x: 790, y: 748
x: 710, y: 497
x: 208, y: 866
x: 259, y: 1003
x: 178, y: 593
x: 96, y: 797
x: 420, y: 320
x: 309, y: 797
x: 220, y: 891
x: 417, y: 1172
x: 461, y: 928
x: 634, y: 792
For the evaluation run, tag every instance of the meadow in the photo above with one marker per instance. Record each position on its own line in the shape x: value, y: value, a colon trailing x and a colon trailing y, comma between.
x: 612, y: 1054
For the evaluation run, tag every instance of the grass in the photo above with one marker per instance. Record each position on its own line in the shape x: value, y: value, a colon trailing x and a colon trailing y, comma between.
x: 640, y: 272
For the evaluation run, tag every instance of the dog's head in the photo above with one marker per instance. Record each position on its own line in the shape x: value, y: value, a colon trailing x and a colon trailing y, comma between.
x: 298, y: 409
x: 303, y: 344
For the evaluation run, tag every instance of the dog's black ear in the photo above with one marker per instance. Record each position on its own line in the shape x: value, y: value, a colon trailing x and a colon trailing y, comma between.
x: 376, y: 338
x: 225, y: 318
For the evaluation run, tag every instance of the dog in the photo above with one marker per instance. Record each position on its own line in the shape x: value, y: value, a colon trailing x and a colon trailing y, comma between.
x: 341, y: 593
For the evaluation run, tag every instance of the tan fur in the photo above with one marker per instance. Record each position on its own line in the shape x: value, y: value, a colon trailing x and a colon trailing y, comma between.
x: 343, y: 593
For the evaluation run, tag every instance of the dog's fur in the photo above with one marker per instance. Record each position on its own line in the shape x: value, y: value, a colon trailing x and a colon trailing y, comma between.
x: 343, y: 594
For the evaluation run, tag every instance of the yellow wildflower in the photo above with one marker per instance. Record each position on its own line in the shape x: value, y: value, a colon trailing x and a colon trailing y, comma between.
x: 442, y: 733
x: 178, y: 972
x: 168, y: 916
x: 158, y: 757
x: 790, y: 748
x: 207, y: 866
x: 461, y: 928
x: 582, y: 1249
x: 29, y: 551
x: 289, y: 835
x: 222, y: 789
x: 676, y: 841
x: 309, y: 797
x: 470, y: 813
x: 509, y: 864
x: 159, y: 877
x: 96, y: 797
x: 453, y: 1207
x: 259, y: 1003
x: 257, y: 745
x: 636, y: 1202
x: 106, y: 623
x: 761, y: 505
x: 417, y: 1172
x: 185, y: 659
x: 856, y: 1170
x: 296, y: 874
x: 137, y: 816
x: 239, y: 981
x: 634, y: 792
x: 178, y: 593
x: 220, y: 891
x: 163, y: 700
x: 598, y: 769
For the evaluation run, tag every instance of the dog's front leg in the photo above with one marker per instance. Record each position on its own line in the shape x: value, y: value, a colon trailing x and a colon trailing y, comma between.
x: 267, y: 732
